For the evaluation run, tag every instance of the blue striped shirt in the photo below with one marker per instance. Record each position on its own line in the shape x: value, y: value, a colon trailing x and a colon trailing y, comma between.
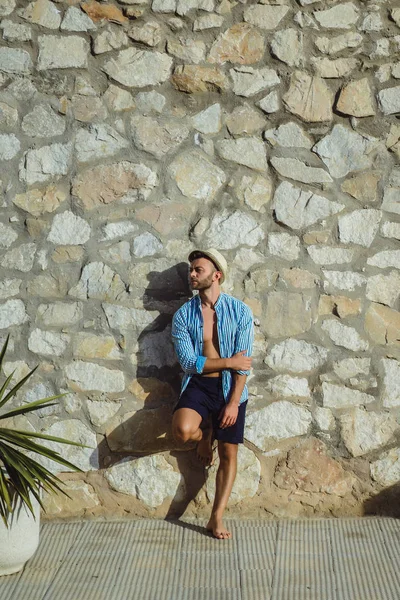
x: 235, y: 333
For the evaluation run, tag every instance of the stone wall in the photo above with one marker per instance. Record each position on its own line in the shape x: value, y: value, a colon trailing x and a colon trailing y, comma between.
x: 133, y: 131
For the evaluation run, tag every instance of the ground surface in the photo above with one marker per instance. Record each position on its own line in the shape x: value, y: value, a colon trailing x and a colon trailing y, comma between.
x: 348, y: 559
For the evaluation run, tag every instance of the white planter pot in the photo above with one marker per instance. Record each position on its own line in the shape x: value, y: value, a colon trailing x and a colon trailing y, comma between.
x: 19, y: 542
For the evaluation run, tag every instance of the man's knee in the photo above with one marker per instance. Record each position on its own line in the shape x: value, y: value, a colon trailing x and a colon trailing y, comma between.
x: 182, y: 431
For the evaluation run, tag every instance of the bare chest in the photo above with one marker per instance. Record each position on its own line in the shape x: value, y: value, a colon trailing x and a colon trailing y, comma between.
x: 210, y: 333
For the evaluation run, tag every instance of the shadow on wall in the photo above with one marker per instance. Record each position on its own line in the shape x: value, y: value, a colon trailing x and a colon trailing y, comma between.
x: 385, y: 504
x: 147, y: 431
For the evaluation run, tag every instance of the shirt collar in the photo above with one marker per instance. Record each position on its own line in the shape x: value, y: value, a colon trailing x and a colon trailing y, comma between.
x: 217, y: 303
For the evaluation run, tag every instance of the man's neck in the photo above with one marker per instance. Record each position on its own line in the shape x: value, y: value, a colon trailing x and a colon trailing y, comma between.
x: 209, y: 297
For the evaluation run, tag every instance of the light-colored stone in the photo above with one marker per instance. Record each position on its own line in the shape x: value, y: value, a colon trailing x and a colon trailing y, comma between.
x: 88, y: 109
x: 384, y: 289
x: 385, y: 259
x: 97, y: 142
x: 195, y: 78
x: 149, y: 478
x: 298, y: 278
x: 139, y: 68
x: 298, y: 208
x: 9, y: 288
x: 21, y: 258
x: 48, y: 285
x: 340, y: 306
x: 125, y: 182
x: 75, y: 431
x: 350, y: 367
x: 208, y: 22
x: 284, y: 246
x: 60, y: 314
x: 309, y: 98
x: 89, y: 346
x: 38, y: 202
x: 390, y: 393
x: 296, y: 356
x: 359, y: 227
x: 248, y: 151
x: 9, y: 146
x: 330, y: 255
x: 344, y: 151
x: 341, y: 16
x: 111, y: 38
x: 7, y: 7
x: 363, y: 187
x: 247, y: 480
x: 62, y: 52
x: 12, y: 313
x: 42, y: 12
x: 241, y: 44
x: 244, y: 119
x: 389, y: 100
x: 156, y: 349
x: 149, y: 33
x: 146, y: 244
x: 150, y: 102
x: 7, y: 236
x: 81, y: 498
x: 287, y: 314
x: 288, y: 135
x: 157, y: 138
x: 344, y: 280
x: 69, y: 229
x: 277, y: 421
x: 196, y: 176
x: 118, y: 99
x: 8, y: 113
x: 86, y: 376
x: 338, y: 396
x: 265, y: 16
x: 167, y: 217
x: 334, y: 69
x: 270, y: 103
x: 122, y: 318
x: 67, y: 254
x: 100, y: 412
x: 209, y: 120
x: 391, y: 230
x: 344, y: 336
x: 48, y: 343
x: 76, y: 20
x: 248, y: 81
x: 333, y: 45
x: 296, y: 169
x: 382, y: 324
x: 363, y: 431
x: 255, y: 191
x: 99, y: 12
x: 99, y: 281
x: 287, y: 45
x: 356, y: 99
x: 324, y: 418
x: 386, y: 470
x: 187, y: 49
x: 185, y: 6
x: 289, y: 387
x: 47, y: 163
x: 232, y: 229
x: 15, y: 32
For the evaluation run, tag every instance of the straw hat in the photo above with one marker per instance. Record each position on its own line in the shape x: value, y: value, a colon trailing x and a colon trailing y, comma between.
x: 216, y: 257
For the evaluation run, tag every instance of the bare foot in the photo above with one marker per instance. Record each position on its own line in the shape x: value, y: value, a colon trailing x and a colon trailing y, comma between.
x: 217, y: 529
x: 204, y: 449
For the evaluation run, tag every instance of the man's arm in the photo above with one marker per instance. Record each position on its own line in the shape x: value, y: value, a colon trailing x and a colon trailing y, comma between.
x: 230, y: 411
x: 192, y: 363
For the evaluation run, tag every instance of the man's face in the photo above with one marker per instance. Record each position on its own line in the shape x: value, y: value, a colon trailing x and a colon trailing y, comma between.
x: 201, y: 274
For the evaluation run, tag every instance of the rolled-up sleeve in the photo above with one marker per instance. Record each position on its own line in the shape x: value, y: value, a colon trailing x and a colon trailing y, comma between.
x: 188, y: 359
x: 245, y: 335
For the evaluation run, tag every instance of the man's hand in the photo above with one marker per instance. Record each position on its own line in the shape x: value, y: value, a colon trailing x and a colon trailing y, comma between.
x: 240, y: 362
x: 228, y: 415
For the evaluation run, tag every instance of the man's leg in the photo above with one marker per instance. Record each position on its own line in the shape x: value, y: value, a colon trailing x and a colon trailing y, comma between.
x: 186, y: 428
x: 223, y: 486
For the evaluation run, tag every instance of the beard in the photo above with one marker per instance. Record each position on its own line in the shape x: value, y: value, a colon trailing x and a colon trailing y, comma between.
x: 205, y: 284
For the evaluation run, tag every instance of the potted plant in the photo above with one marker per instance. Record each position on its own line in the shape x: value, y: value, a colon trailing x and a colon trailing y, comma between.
x: 22, y: 478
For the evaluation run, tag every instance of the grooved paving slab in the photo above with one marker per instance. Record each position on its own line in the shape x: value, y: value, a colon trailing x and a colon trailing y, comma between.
x: 315, y: 559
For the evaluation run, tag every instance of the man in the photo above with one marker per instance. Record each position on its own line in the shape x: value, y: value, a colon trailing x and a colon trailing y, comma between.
x: 213, y: 337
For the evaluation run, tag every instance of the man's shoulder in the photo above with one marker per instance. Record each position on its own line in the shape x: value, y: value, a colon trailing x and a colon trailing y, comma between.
x: 236, y: 303
x: 187, y: 306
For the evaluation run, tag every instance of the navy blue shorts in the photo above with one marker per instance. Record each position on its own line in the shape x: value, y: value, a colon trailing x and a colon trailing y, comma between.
x: 205, y: 396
